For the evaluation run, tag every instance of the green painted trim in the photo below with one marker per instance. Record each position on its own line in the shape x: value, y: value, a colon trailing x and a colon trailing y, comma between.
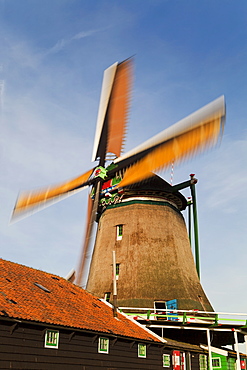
x: 157, y: 203
x: 196, y: 232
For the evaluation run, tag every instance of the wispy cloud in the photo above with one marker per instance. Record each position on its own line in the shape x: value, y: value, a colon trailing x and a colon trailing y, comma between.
x: 83, y: 34
x: 62, y: 43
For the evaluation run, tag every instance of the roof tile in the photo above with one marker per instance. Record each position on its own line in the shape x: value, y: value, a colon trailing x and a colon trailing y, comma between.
x: 30, y: 294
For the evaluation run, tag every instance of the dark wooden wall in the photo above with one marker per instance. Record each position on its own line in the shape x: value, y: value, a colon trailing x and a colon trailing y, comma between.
x: 22, y: 347
x: 194, y: 359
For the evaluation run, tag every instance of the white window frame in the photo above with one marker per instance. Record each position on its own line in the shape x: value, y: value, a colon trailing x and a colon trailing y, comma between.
x: 166, y: 357
x: 142, y: 350
x: 117, y: 270
x: 119, y: 232
x: 203, y: 362
x: 51, y: 338
x: 176, y: 360
x: 107, y: 296
x: 103, y: 345
x: 160, y: 310
x: 182, y: 361
x: 218, y: 359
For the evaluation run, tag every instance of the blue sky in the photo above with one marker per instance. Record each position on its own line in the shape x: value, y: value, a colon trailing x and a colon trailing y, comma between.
x: 186, y: 53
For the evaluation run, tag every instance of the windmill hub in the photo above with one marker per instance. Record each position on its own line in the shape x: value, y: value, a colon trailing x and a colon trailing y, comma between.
x: 154, y: 189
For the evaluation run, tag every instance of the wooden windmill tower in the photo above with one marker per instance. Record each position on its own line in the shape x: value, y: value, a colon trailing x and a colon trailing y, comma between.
x: 139, y: 214
x: 154, y: 261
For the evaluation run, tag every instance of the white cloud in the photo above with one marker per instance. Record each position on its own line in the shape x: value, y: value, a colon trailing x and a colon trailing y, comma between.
x: 61, y: 44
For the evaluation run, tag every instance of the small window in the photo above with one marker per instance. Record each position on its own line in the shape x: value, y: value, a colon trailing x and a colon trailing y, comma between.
x: 160, y: 310
x: 166, y: 360
x: 176, y: 359
x: 103, y: 345
x: 203, y: 362
x: 142, y: 350
x: 216, y: 362
x: 107, y: 296
x: 183, y: 361
x: 119, y: 232
x: 42, y: 287
x: 117, y: 270
x: 51, y: 338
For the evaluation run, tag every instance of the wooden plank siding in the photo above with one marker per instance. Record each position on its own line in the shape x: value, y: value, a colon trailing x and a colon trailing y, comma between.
x: 22, y: 347
x: 194, y: 359
x: 223, y: 362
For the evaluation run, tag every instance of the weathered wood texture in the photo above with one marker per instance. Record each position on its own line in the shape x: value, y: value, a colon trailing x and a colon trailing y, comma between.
x: 155, y: 257
x: 22, y: 347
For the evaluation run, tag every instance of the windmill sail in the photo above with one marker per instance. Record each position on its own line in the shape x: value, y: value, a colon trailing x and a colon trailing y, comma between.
x: 28, y: 201
x: 113, y: 110
x: 195, y: 133
x: 91, y: 217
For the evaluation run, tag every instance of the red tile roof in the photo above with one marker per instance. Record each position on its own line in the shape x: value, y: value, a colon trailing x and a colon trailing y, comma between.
x: 61, y: 303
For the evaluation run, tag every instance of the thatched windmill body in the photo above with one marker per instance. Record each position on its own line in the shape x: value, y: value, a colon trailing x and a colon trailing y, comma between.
x: 139, y: 215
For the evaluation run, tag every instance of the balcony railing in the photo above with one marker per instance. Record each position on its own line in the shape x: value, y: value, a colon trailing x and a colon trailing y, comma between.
x: 187, y: 316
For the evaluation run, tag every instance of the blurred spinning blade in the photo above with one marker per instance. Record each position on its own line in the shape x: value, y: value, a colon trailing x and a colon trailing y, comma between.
x: 33, y: 201
x: 91, y: 217
x: 181, y: 141
x: 113, y: 110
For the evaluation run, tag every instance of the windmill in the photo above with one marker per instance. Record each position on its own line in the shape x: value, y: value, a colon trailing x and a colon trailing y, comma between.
x: 130, y: 173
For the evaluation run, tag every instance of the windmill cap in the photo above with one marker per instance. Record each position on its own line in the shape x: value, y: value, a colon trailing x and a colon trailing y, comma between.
x: 156, y: 184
